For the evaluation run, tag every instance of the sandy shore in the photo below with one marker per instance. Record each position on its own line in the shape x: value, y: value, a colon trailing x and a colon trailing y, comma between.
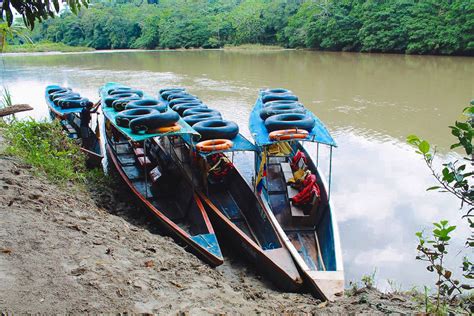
x: 66, y: 250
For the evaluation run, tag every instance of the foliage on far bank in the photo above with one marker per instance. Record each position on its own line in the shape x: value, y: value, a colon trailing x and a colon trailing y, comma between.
x: 46, y: 47
x: 416, y: 27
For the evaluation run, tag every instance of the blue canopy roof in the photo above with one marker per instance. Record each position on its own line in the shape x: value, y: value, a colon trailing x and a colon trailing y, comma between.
x: 110, y: 113
x: 56, y: 108
x: 240, y: 143
x: 319, y: 134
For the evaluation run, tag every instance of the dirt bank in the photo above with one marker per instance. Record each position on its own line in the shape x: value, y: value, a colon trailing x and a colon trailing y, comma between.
x: 66, y: 250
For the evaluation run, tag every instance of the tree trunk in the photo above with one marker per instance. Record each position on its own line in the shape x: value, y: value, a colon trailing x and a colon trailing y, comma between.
x: 14, y: 109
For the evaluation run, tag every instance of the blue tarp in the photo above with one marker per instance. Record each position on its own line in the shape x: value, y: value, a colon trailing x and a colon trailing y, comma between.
x: 240, y: 143
x: 259, y: 132
x: 58, y: 109
x: 110, y: 113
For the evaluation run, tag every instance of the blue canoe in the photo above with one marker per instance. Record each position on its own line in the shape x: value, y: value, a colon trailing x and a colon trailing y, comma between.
x: 311, y: 234
x: 70, y: 121
x: 154, y: 177
x: 237, y: 213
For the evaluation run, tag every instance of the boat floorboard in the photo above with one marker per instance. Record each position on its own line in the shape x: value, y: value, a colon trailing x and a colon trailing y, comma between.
x: 170, y: 209
x: 225, y: 202
x: 305, y: 244
x: 122, y: 148
x: 126, y: 159
x: 275, y: 182
x: 133, y: 172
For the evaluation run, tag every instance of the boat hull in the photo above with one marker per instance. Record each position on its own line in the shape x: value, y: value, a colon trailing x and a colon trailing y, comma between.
x: 69, y: 121
x: 264, y: 260
x: 175, y: 231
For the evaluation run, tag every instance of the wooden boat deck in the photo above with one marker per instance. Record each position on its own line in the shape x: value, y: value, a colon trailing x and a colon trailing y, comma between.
x: 165, y: 200
x: 237, y: 211
x: 299, y: 228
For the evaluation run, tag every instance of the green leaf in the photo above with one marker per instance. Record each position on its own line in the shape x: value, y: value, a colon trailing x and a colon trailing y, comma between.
x: 413, y: 139
x: 443, y: 222
x: 450, y: 229
x: 424, y: 147
x: 455, y: 131
x: 463, y: 126
x: 433, y: 188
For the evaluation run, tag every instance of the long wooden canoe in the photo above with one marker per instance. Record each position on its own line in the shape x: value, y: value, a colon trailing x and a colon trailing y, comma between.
x: 160, y: 187
x: 236, y: 212
x: 311, y: 234
x: 71, y: 122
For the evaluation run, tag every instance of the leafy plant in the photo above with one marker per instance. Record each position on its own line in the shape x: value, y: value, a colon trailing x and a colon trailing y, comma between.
x: 8, y: 32
x: 47, y: 148
x: 369, y: 279
x: 395, y: 287
x: 40, y: 10
x: 6, y: 99
x: 433, y: 250
x: 455, y: 178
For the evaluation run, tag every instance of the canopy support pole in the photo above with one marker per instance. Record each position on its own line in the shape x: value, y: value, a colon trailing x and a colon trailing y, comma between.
x: 144, y: 168
x: 330, y: 172
x: 317, y: 155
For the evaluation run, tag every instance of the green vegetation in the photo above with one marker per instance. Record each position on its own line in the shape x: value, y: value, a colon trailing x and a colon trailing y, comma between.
x: 32, y: 10
x: 45, y: 47
x: 455, y: 178
x: 47, y: 148
x: 399, y: 26
x: 11, y: 33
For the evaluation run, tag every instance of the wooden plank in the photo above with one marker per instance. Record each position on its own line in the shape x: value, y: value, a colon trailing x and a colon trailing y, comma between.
x: 296, y: 211
x: 292, y: 192
x: 287, y: 172
x: 9, y: 110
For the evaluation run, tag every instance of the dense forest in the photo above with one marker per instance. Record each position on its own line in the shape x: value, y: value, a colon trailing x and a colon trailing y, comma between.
x: 395, y: 26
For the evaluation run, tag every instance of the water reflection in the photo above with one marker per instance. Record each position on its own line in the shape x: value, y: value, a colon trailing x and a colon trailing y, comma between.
x: 369, y: 102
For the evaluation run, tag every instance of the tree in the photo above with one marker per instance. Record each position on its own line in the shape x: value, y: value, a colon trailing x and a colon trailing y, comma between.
x: 32, y: 10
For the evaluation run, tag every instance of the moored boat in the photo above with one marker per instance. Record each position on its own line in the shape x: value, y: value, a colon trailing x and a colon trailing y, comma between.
x: 234, y: 209
x: 291, y: 185
x: 65, y: 105
x: 133, y: 145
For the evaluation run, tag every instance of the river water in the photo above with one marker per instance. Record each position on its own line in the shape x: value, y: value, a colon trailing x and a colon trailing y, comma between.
x: 369, y: 102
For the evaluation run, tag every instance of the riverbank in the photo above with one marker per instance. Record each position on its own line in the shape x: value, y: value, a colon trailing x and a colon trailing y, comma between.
x: 63, y: 48
x: 46, y: 47
x: 67, y: 248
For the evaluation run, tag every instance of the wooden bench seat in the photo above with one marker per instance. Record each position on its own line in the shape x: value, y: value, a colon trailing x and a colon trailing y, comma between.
x: 296, y: 211
x: 144, y: 161
x: 286, y: 170
x: 139, y: 152
x: 291, y: 191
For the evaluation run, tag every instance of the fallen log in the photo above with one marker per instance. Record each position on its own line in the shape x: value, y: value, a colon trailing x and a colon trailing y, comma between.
x: 9, y: 110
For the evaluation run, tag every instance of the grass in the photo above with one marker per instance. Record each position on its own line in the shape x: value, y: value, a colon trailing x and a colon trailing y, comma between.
x: 252, y: 47
x: 44, y: 146
x: 45, y: 47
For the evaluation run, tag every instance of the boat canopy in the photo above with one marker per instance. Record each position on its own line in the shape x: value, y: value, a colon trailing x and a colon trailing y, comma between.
x: 319, y: 134
x: 58, y: 109
x: 110, y: 113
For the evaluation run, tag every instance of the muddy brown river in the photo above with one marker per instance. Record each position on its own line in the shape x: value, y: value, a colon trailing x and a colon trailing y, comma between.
x: 369, y: 102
